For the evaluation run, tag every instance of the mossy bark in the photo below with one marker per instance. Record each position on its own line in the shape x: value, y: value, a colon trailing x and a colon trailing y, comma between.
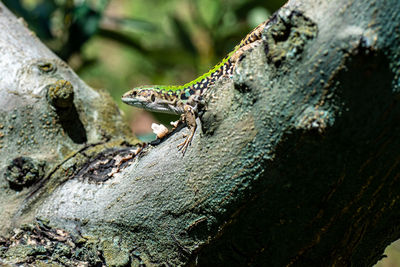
x: 296, y: 162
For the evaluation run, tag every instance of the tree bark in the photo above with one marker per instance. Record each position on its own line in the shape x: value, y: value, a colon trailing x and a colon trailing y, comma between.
x: 296, y: 162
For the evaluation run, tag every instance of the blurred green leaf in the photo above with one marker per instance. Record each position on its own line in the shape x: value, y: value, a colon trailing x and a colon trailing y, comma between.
x: 257, y: 15
x: 183, y: 35
x: 132, y: 24
x: 122, y: 38
x: 210, y: 12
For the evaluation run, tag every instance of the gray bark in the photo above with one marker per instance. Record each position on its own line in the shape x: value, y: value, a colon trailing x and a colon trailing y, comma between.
x: 296, y: 162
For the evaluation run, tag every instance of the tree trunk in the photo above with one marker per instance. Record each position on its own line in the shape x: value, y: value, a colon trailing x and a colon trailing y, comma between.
x: 296, y: 162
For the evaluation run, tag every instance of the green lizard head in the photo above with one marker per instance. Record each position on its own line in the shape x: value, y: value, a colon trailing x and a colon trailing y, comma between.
x: 155, y: 98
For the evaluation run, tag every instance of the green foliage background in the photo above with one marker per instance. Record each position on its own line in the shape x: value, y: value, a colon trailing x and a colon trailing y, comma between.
x: 118, y: 44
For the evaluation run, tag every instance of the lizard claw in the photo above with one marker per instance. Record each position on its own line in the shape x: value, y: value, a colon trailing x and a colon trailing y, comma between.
x: 189, y: 118
x: 183, y: 146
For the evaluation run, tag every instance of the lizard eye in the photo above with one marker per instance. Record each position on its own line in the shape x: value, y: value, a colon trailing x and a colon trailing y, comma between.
x: 153, y: 97
x: 134, y: 93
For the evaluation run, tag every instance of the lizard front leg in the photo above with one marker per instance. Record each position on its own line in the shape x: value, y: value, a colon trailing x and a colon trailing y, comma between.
x: 189, y: 117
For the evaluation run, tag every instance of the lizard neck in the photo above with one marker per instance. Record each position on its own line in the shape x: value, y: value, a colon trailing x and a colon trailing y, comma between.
x: 177, y: 96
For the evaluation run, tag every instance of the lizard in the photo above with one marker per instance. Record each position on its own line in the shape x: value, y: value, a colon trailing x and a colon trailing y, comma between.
x: 187, y: 99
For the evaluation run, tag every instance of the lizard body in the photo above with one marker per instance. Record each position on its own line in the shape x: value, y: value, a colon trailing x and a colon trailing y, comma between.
x: 185, y: 99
